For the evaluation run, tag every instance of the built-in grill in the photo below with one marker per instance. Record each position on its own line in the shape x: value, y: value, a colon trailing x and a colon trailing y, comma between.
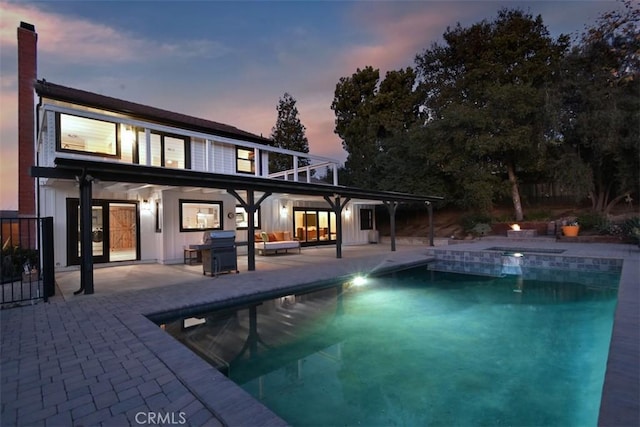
x: 219, y: 252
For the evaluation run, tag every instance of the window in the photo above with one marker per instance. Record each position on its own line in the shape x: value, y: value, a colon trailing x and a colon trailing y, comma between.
x: 198, y: 215
x: 90, y: 136
x: 245, y: 160
x: 366, y: 219
x: 169, y: 151
x: 242, y: 218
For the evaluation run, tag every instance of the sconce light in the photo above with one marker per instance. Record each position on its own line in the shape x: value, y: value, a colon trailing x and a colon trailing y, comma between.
x: 283, y: 212
x: 145, y: 206
x: 347, y: 213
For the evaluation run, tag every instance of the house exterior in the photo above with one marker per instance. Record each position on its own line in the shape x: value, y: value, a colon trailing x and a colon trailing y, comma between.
x: 137, y: 183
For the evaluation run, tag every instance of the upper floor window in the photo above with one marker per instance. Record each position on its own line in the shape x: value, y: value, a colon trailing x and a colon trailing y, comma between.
x: 90, y: 136
x: 169, y: 151
x: 245, y: 160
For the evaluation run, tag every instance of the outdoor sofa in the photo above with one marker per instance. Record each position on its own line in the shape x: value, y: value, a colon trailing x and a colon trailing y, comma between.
x: 272, y: 243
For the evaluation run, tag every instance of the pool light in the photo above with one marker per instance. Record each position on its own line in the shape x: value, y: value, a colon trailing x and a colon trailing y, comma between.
x: 359, y: 281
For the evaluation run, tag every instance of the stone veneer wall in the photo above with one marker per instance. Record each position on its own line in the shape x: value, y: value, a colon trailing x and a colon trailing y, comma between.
x: 531, y: 260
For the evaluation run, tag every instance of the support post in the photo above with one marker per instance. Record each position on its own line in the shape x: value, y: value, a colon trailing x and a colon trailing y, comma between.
x: 251, y: 206
x: 391, y: 206
x: 86, y: 241
x: 251, y: 238
x: 337, y: 207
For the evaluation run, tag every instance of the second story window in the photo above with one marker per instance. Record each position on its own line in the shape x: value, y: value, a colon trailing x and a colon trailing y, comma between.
x: 89, y: 136
x: 245, y: 160
x: 169, y: 151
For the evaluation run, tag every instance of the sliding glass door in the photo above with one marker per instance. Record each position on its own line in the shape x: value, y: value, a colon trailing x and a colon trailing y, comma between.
x: 314, y: 226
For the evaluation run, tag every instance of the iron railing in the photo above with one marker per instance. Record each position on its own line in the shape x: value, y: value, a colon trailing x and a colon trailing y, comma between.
x: 27, y: 264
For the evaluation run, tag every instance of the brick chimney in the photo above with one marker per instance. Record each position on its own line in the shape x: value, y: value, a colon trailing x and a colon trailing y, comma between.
x: 27, y: 75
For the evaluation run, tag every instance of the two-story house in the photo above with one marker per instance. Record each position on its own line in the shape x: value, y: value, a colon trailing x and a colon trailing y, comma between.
x: 150, y: 181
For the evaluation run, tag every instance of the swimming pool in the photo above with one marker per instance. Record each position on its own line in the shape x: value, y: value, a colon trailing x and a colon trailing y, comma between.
x: 420, y: 347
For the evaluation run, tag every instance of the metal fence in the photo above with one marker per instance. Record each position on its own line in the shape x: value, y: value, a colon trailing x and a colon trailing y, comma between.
x: 27, y: 265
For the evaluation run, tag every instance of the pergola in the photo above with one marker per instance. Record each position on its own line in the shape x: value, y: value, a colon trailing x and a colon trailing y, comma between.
x: 86, y: 171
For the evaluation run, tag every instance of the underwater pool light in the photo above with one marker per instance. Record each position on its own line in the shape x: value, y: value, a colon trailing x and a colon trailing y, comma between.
x: 359, y: 280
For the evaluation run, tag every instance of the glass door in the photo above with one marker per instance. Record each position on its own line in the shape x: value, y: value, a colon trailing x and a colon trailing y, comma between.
x: 314, y: 226
x: 123, y: 235
x: 114, y: 231
x: 98, y: 241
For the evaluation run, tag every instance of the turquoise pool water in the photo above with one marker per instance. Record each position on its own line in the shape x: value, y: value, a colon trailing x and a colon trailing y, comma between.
x: 421, y: 348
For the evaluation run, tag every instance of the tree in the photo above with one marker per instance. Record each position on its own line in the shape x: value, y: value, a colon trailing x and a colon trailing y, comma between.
x: 598, y: 154
x: 486, y: 92
x: 352, y: 105
x: 369, y: 114
x: 288, y: 133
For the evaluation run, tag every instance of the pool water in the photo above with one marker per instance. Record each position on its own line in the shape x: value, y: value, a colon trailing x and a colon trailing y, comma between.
x: 424, y: 348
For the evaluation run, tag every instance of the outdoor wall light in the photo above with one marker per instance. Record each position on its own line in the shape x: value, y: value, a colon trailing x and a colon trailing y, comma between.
x: 145, y: 206
x: 347, y: 213
x: 283, y: 212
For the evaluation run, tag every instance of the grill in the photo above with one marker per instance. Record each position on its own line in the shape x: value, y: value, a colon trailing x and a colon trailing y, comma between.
x: 219, y: 252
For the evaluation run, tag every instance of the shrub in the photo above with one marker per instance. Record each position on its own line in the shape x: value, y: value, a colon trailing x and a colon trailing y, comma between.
x: 470, y: 221
x: 631, y: 229
x: 15, y: 260
x: 593, y: 221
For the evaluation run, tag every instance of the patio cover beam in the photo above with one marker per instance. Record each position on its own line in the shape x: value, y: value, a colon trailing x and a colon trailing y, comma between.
x: 110, y: 171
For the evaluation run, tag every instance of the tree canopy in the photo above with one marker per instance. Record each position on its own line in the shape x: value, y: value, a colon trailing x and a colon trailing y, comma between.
x: 486, y: 92
x: 498, y: 102
x: 598, y: 154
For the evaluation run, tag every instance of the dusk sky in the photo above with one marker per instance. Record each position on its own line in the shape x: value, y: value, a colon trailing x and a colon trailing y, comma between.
x: 231, y: 61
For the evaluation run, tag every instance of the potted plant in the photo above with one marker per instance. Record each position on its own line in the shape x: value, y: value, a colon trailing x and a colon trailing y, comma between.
x: 571, y: 229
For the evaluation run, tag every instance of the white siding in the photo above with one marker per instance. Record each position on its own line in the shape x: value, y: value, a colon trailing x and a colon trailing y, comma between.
x: 198, y: 155
x: 48, y: 140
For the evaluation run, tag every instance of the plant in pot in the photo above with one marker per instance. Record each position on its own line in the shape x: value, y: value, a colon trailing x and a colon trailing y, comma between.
x: 571, y: 229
